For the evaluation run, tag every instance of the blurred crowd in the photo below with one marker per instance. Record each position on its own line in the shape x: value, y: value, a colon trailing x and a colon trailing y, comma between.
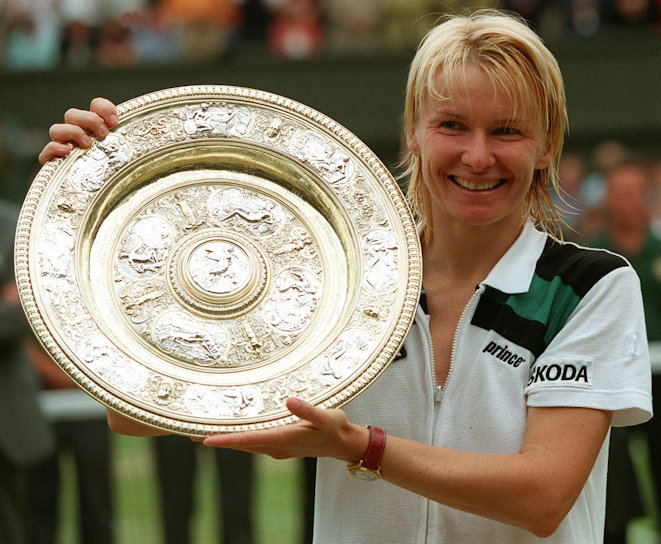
x: 44, y: 34
x: 584, y: 196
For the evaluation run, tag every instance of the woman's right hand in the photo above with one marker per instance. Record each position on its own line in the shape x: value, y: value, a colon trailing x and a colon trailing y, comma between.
x: 78, y: 129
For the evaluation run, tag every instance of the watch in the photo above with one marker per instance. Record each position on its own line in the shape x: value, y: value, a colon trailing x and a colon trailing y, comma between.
x: 369, y: 467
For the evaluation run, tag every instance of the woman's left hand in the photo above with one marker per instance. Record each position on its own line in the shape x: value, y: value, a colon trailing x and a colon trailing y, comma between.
x: 319, y: 433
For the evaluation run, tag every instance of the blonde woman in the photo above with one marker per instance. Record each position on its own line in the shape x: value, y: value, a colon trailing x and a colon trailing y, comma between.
x: 519, y: 361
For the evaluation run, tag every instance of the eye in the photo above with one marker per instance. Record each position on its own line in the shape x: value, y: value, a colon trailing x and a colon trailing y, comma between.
x: 450, y: 125
x: 507, y: 131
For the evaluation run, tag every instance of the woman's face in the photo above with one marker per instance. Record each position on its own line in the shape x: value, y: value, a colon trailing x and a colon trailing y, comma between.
x: 477, y: 157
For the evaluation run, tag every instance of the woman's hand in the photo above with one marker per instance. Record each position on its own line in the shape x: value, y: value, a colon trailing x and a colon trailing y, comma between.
x: 319, y: 433
x: 78, y: 129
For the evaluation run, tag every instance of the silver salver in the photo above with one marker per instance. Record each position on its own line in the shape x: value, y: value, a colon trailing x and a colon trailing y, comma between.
x: 221, y: 250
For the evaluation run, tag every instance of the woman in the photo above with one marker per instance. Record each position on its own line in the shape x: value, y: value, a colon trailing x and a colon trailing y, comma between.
x: 517, y: 365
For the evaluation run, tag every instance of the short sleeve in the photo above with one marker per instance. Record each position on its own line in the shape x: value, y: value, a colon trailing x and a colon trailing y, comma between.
x: 600, y: 357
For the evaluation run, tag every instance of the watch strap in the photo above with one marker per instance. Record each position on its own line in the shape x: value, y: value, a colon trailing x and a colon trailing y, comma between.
x: 375, y: 448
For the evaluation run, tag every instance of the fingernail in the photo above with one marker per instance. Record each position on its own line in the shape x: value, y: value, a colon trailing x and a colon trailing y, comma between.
x: 87, y: 140
x: 114, y: 119
x: 103, y: 131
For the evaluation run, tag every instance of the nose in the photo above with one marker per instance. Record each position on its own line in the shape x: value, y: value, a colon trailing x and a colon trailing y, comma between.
x: 478, y: 154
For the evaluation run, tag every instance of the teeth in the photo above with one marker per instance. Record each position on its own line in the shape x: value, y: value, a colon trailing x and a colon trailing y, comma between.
x: 475, y: 186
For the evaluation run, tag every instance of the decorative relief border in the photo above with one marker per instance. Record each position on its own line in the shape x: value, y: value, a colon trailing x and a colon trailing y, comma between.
x: 280, y: 105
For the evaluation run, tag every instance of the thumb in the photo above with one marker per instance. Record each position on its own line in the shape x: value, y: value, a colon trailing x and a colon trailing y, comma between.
x: 301, y: 408
x: 319, y: 417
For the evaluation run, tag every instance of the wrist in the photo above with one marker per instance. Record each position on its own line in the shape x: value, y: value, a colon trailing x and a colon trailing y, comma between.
x: 369, y: 466
x: 355, y: 442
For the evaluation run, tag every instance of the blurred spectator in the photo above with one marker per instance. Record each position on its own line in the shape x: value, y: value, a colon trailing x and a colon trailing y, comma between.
x: 116, y: 47
x: 177, y: 462
x: 405, y: 22
x: 528, y: 9
x: 205, y: 28
x: 32, y: 35
x: 548, y: 19
x: 631, y: 13
x: 627, y: 231
x: 91, y: 12
x: 655, y: 174
x: 25, y: 436
x: 604, y: 157
x: 295, y: 30
x: 256, y: 18
x: 353, y: 26
x: 89, y: 443
x: 78, y: 44
x: 584, y: 16
x: 309, y: 468
x: 154, y: 35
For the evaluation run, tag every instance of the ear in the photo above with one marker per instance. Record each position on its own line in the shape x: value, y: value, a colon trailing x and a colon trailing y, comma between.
x: 544, y: 161
x: 412, y: 142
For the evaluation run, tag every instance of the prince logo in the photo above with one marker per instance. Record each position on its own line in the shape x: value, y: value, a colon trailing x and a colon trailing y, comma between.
x: 504, y: 354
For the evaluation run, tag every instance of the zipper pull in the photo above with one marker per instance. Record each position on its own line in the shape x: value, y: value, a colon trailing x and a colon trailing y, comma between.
x: 438, y: 394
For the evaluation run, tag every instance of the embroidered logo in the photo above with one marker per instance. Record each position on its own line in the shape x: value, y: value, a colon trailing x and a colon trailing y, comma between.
x: 504, y: 354
x: 565, y: 373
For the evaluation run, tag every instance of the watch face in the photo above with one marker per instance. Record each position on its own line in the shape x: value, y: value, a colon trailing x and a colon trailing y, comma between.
x: 366, y: 474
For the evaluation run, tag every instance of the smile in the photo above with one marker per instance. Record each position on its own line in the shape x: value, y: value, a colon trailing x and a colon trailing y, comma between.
x: 465, y: 184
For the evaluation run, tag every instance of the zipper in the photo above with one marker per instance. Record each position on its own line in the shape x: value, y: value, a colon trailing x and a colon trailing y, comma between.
x: 439, y: 390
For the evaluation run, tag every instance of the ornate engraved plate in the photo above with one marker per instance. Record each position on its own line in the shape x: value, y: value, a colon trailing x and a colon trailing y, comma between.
x: 221, y: 250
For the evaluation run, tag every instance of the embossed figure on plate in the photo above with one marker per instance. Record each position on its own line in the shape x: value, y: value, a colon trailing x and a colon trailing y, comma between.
x: 335, y: 165
x: 57, y: 243
x: 165, y: 392
x: 300, y: 241
x: 224, y: 403
x: 145, y: 247
x: 294, y: 300
x: 258, y: 214
x: 155, y: 131
x: 107, y: 362
x: 137, y: 300
x: 346, y: 353
x: 381, y: 267
x: 192, y: 218
x: 220, y: 267
x: 190, y: 339
x: 90, y: 172
x: 223, y: 119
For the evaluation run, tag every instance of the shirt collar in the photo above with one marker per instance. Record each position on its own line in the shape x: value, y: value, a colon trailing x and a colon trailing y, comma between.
x: 514, y: 271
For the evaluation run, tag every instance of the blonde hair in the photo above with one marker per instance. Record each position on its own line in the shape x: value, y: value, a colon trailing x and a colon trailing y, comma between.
x: 519, y: 64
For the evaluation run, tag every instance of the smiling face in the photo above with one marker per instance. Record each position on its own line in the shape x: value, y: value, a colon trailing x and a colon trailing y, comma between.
x: 477, y: 154
x: 483, y: 52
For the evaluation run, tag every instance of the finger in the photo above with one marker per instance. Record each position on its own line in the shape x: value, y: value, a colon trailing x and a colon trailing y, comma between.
x: 53, y: 150
x: 249, y: 441
x: 321, y: 418
x: 65, y: 133
x: 89, y: 121
x: 105, y: 109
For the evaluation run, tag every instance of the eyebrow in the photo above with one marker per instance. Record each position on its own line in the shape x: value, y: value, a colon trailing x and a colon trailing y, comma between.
x: 504, y: 121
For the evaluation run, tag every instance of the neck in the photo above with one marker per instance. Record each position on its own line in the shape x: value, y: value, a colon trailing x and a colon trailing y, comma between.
x: 466, y: 253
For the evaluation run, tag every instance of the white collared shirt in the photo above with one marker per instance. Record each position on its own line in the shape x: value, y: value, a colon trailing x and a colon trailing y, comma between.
x: 504, y: 361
